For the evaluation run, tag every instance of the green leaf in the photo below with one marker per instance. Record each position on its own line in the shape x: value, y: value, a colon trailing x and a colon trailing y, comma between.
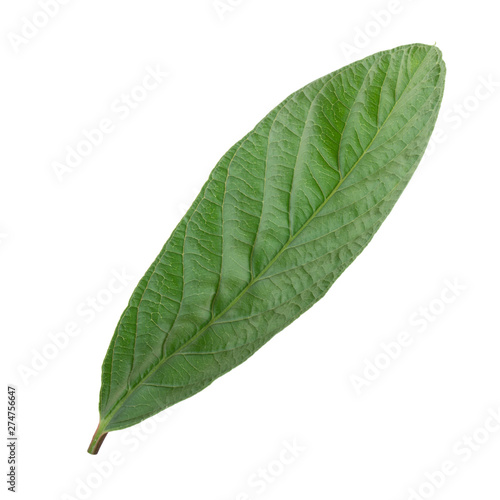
x: 283, y: 213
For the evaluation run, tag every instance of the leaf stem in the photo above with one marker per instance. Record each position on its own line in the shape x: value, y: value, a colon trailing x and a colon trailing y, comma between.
x: 97, y: 439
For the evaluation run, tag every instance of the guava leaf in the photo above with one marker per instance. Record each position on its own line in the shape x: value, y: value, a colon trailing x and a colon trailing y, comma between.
x: 283, y: 213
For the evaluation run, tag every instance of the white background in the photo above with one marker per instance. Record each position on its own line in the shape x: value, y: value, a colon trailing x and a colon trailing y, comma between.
x: 61, y: 242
